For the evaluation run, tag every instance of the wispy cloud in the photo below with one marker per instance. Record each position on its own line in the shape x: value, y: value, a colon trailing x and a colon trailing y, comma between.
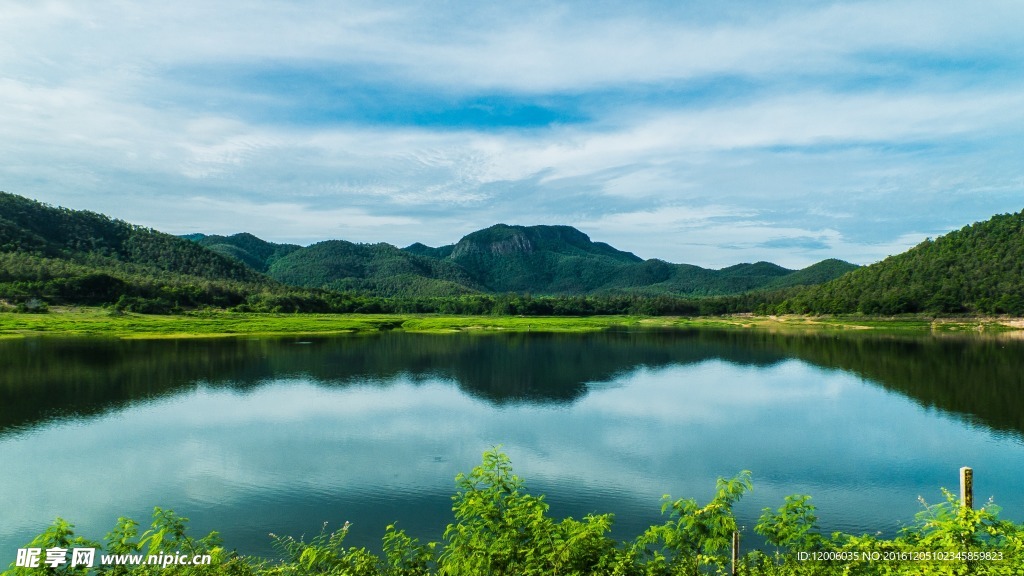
x: 809, y: 129
x: 292, y: 220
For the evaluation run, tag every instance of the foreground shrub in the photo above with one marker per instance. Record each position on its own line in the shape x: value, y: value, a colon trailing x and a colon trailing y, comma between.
x: 501, y: 529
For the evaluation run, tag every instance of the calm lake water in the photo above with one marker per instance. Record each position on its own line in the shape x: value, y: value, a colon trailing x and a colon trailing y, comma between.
x: 249, y: 437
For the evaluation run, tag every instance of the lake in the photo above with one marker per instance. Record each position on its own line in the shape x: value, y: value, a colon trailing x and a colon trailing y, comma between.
x: 251, y: 436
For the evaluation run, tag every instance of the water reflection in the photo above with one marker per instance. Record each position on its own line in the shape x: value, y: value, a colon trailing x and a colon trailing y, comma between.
x: 979, y: 380
x: 249, y: 436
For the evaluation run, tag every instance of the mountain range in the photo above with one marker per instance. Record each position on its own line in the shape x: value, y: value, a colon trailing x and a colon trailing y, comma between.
x: 539, y: 260
x: 56, y: 255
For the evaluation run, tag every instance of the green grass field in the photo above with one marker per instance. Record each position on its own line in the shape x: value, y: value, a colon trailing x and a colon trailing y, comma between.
x: 97, y: 322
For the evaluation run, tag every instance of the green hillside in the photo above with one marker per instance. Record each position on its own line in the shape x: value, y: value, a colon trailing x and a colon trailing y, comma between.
x: 253, y: 252
x: 379, y: 269
x: 538, y: 259
x: 420, y: 249
x: 563, y: 260
x: 736, y: 279
x: 29, y: 227
x: 814, y: 274
x: 977, y: 269
x: 52, y: 255
x: 58, y: 255
x: 501, y: 259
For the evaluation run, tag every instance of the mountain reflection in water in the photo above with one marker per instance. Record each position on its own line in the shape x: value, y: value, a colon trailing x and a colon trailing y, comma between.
x: 247, y: 436
x: 978, y: 380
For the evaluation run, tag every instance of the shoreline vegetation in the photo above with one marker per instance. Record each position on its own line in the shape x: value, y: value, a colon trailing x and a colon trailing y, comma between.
x: 500, y: 528
x: 74, y: 321
x: 53, y: 257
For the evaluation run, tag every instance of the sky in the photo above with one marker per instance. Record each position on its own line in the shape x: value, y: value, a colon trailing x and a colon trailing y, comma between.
x: 699, y: 132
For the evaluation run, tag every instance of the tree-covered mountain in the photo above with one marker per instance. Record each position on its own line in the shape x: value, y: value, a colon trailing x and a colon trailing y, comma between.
x: 977, y: 269
x: 540, y: 260
x: 819, y: 273
x: 253, y: 252
x: 563, y: 260
x: 29, y: 227
x: 379, y: 269
x: 420, y: 249
x: 57, y: 255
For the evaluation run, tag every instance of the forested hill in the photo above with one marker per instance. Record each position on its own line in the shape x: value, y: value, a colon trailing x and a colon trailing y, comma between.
x: 58, y: 255
x: 378, y: 269
x: 252, y: 251
x: 501, y: 259
x: 29, y: 227
x: 977, y: 269
x: 563, y: 260
x: 61, y: 255
x: 538, y: 259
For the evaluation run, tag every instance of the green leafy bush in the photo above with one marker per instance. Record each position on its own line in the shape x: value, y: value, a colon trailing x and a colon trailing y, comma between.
x: 501, y: 529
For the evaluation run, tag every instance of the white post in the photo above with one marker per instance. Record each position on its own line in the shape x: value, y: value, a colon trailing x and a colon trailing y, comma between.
x: 967, y: 487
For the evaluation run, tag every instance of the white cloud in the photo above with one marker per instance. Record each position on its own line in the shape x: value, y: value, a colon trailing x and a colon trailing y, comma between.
x: 291, y: 221
x: 829, y: 104
x: 670, y: 216
x: 539, y: 47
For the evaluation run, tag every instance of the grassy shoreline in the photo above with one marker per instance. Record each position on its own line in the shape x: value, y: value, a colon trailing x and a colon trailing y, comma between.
x: 98, y: 322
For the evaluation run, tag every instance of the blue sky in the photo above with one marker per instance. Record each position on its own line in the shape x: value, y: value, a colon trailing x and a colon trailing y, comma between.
x: 708, y: 133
